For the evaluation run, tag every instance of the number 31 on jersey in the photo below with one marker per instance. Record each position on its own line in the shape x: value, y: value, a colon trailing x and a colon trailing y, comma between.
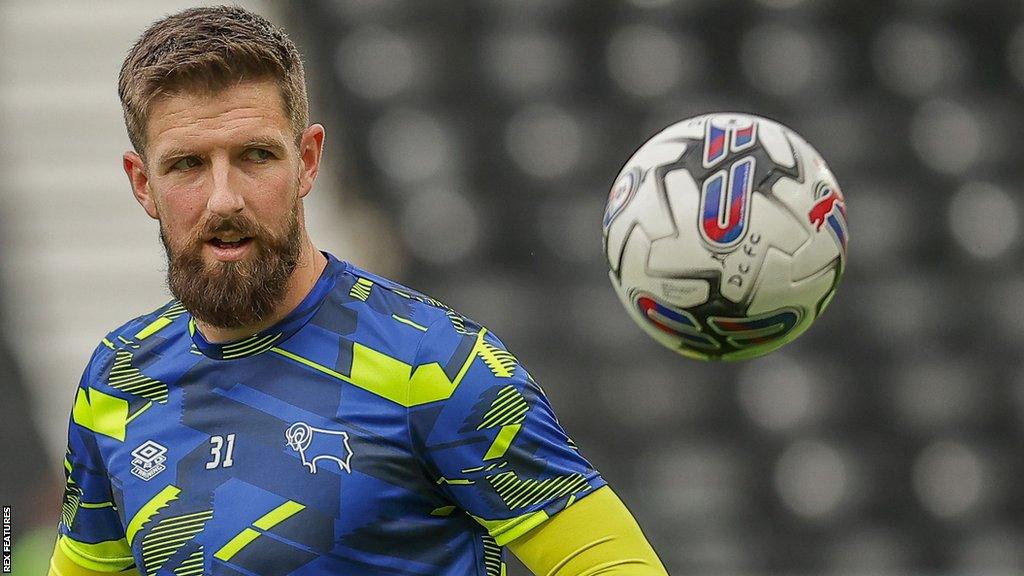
x: 221, y: 449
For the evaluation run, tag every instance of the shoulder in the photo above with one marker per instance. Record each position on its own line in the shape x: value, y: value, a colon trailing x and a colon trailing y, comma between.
x: 364, y: 283
x: 400, y: 307
x: 447, y: 335
x: 127, y: 337
x: 141, y: 327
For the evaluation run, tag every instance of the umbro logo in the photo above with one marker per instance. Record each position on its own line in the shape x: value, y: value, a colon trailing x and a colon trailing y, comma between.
x: 148, y: 460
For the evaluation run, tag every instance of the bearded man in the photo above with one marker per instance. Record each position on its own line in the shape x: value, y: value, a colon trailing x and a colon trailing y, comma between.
x: 288, y: 412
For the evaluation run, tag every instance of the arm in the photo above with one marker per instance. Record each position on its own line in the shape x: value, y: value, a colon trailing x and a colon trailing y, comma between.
x: 61, y: 565
x: 596, y: 535
x: 91, y: 539
x: 496, y: 450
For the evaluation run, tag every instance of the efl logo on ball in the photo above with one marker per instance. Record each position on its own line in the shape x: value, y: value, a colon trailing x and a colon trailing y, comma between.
x: 621, y: 193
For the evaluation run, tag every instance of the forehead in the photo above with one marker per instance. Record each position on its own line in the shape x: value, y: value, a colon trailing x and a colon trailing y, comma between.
x: 244, y: 111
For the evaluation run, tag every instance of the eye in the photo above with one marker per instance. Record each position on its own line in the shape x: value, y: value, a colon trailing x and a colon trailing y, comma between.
x: 186, y: 163
x: 258, y: 155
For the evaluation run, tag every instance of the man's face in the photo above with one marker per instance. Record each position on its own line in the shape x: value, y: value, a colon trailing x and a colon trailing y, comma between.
x: 224, y: 178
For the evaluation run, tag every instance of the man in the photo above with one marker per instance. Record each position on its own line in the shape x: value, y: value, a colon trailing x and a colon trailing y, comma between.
x: 290, y: 413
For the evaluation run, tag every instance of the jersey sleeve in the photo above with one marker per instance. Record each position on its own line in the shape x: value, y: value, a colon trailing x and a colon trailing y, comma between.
x: 90, y: 531
x: 493, y: 444
x: 595, y: 536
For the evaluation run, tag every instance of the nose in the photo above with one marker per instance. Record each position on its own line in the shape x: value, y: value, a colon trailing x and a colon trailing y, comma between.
x: 226, y: 197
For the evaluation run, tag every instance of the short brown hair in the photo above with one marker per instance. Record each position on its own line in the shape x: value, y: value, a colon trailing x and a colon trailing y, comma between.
x: 209, y: 48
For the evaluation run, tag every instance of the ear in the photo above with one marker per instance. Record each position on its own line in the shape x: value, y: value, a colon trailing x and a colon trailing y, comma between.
x: 311, y: 147
x: 135, y: 168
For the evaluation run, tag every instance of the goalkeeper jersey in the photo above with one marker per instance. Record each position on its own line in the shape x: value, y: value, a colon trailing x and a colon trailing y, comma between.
x: 371, y: 431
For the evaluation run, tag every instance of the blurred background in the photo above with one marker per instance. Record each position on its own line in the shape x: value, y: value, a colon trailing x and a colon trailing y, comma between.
x: 470, y: 148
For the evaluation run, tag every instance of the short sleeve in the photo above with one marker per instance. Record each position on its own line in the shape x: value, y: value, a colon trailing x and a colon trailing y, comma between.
x: 494, y: 445
x: 90, y: 530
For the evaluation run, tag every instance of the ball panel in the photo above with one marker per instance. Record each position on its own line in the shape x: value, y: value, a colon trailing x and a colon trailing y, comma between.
x: 674, y: 255
x: 645, y: 206
x: 687, y: 290
x: 775, y: 141
x: 816, y: 254
x: 777, y: 288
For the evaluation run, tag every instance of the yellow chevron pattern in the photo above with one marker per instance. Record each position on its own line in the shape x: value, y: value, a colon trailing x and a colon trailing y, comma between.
x: 393, y: 379
x: 508, y: 408
x: 264, y: 523
x: 500, y: 361
x: 458, y: 322
x: 101, y: 413
x: 361, y: 289
x: 150, y: 509
x: 128, y: 379
x: 162, y: 321
x: 69, y: 507
x: 454, y: 481
x: 516, y: 493
x: 492, y: 557
x: 169, y: 535
x: 191, y: 566
x: 174, y: 311
x: 421, y: 298
x: 250, y: 346
x: 486, y: 468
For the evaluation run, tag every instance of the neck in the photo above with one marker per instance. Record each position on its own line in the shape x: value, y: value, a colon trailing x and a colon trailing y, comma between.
x: 307, y: 271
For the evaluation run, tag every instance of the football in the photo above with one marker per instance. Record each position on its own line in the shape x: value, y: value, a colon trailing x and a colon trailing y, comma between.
x: 725, y: 236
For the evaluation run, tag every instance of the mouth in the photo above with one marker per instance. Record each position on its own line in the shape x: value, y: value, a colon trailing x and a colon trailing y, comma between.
x: 233, y: 243
x: 230, y: 249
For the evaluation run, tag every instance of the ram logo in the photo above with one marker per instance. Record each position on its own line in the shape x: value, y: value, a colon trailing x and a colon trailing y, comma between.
x: 315, y: 444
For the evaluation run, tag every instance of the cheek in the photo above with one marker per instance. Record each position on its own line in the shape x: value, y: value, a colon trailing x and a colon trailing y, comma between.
x: 180, y: 210
x: 275, y: 198
x: 278, y: 182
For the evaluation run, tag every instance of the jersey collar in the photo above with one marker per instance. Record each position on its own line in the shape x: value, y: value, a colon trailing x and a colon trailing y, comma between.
x: 272, y: 336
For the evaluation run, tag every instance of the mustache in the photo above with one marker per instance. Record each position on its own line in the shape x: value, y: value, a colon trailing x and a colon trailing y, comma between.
x: 216, y: 225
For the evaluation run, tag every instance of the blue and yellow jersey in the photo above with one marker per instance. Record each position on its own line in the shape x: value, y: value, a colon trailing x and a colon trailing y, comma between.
x: 372, y: 431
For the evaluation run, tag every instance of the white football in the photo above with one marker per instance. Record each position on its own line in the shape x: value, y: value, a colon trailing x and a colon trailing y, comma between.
x: 725, y: 236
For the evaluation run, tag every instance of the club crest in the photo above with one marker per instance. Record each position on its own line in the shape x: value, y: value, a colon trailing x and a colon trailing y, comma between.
x: 315, y: 444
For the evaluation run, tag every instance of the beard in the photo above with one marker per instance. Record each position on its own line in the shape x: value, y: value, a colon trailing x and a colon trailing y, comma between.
x: 233, y: 294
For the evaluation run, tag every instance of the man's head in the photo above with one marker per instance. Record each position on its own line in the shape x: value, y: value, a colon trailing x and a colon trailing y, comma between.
x: 209, y: 49
x: 215, y: 105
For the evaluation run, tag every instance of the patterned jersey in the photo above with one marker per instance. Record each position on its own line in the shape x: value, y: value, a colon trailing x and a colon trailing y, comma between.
x: 372, y: 431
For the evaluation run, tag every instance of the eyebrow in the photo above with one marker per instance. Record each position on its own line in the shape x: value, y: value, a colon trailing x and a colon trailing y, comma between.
x: 171, y: 154
x: 264, y: 142
x: 260, y: 142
